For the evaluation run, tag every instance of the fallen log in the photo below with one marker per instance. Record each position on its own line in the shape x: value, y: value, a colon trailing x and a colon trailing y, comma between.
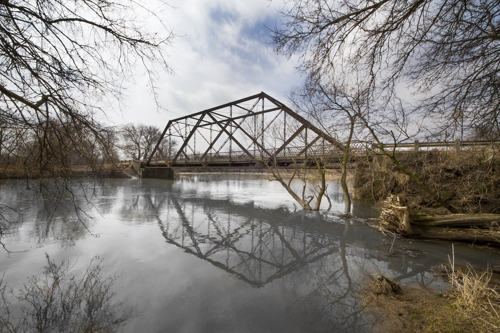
x: 472, y: 228
x: 457, y: 220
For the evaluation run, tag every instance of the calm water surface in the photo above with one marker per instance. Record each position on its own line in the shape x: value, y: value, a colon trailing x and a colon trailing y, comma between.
x: 220, y: 253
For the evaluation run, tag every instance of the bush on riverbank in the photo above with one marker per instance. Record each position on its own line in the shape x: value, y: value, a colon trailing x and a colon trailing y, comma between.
x: 60, y: 301
x: 469, y: 180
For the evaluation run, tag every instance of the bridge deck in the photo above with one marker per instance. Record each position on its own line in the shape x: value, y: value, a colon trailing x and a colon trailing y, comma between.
x: 248, y: 162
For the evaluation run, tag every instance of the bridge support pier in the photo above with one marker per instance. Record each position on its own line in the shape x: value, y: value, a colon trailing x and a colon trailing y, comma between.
x: 158, y: 173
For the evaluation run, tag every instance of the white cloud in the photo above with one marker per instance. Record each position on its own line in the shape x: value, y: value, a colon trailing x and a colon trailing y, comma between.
x: 222, y: 54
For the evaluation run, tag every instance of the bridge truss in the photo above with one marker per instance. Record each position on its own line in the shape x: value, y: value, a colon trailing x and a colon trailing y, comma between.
x: 254, y: 130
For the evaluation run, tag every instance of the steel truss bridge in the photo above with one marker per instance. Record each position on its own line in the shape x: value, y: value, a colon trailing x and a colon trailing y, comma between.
x: 249, y: 132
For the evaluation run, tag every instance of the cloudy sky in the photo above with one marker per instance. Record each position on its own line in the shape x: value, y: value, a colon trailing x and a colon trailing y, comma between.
x: 222, y: 53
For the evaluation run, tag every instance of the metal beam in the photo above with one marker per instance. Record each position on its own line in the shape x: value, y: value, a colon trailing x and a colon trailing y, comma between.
x: 187, y: 139
x: 213, y: 143
x: 158, y: 144
x: 308, y: 146
x: 231, y: 136
x: 287, y: 142
x: 253, y: 139
x: 204, y: 112
x: 245, y: 116
x: 230, y: 126
x: 308, y: 124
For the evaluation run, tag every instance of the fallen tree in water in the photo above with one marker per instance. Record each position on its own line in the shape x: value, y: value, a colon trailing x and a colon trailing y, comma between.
x: 473, y: 228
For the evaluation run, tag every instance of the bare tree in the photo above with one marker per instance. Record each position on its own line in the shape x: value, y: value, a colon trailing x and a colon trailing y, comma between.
x: 63, y: 302
x: 55, y: 150
x: 140, y: 140
x: 446, y: 51
x: 336, y: 111
x: 60, y: 60
x: 309, y: 194
x: 338, y: 107
x: 378, y: 47
x: 62, y: 65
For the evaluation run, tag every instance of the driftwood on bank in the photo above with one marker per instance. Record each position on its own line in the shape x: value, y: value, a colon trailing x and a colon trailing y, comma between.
x: 473, y: 228
x: 395, y: 217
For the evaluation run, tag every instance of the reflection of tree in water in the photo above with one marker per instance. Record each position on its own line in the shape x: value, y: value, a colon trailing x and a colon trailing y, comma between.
x: 259, y: 246
x: 335, y: 298
x: 338, y: 283
x: 142, y: 204
x: 60, y: 216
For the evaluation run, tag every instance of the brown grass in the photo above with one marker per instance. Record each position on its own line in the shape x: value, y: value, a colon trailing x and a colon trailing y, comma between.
x: 476, y: 299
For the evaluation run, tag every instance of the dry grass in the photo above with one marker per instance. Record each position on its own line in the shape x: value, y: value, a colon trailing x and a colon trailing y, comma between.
x: 474, y: 303
x: 475, y: 299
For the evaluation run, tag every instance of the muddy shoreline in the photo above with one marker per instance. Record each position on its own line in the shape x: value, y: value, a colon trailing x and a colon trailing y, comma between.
x: 419, y: 309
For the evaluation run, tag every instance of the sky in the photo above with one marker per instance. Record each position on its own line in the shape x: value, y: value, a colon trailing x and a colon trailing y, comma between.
x: 222, y: 53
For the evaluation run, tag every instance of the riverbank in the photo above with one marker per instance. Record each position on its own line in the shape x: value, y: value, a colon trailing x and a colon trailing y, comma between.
x: 110, y: 170
x: 472, y: 305
x: 468, y: 180
x: 465, y: 183
x: 301, y: 173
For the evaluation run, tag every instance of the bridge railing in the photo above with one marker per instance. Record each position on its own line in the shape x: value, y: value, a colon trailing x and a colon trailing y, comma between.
x: 357, y: 148
x: 456, y: 145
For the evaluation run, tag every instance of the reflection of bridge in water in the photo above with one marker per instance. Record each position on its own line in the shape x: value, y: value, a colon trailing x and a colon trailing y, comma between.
x: 318, y: 261
x: 249, y: 248
x: 258, y: 245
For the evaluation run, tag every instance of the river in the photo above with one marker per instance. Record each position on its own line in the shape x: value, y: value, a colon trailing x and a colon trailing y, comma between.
x: 218, y: 253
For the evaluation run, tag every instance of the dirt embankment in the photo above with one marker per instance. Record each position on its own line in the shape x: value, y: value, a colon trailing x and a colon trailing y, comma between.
x: 469, y: 180
x: 472, y: 305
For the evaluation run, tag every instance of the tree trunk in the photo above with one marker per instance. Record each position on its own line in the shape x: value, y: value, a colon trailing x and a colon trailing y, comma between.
x: 322, y: 190
x: 472, y: 228
x: 276, y: 175
x: 343, y: 177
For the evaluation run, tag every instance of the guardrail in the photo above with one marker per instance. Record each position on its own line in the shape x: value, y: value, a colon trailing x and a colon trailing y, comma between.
x: 357, y: 147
